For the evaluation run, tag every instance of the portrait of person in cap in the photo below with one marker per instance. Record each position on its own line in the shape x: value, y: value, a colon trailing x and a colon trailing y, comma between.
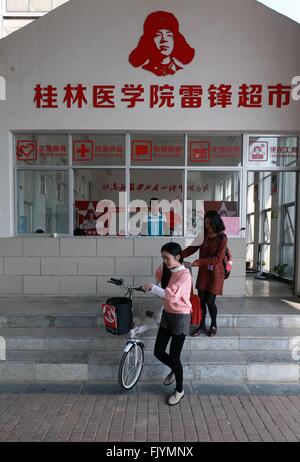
x: 162, y: 49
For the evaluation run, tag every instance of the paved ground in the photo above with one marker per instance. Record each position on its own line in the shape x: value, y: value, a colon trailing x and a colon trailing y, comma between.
x: 88, y: 414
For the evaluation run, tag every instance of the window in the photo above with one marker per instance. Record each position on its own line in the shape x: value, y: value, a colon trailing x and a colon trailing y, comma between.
x: 273, y: 151
x: 38, y: 205
x: 113, y: 178
x: 288, y: 183
x: 163, y: 150
x: 250, y: 234
x: 96, y: 200
x: 98, y: 150
x: 167, y: 187
x: 214, y: 191
x: 41, y: 150
x: 215, y: 151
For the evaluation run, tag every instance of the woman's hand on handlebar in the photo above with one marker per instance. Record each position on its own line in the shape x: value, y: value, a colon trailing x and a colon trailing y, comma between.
x: 147, y: 286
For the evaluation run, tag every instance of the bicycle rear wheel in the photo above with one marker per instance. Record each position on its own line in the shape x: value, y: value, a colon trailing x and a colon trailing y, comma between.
x: 131, y: 367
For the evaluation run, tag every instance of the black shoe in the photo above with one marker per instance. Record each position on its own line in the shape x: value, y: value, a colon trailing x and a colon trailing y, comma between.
x: 212, y: 331
x: 199, y: 331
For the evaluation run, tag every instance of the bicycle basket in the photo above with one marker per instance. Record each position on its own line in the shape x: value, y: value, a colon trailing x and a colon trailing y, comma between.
x: 117, y: 315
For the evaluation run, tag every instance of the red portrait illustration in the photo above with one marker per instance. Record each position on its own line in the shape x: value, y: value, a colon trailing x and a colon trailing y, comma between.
x: 162, y: 49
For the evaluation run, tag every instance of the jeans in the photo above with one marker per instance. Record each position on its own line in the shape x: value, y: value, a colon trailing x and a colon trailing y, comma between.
x: 208, y: 301
x: 173, y: 358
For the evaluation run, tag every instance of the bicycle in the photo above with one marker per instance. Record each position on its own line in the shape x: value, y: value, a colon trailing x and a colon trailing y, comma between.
x: 132, y: 361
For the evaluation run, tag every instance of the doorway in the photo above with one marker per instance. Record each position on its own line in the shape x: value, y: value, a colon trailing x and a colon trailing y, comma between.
x: 270, y: 233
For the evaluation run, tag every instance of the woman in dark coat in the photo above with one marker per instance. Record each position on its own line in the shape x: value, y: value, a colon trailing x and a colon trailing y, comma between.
x: 210, y: 280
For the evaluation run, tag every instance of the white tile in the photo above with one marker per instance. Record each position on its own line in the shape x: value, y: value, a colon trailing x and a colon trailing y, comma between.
x: 11, y: 285
x: 30, y: 266
x: 40, y: 247
x: 78, y: 247
x: 133, y: 266
x: 105, y: 288
x: 42, y: 285
x: 96, y: 266
x: 10, y: 247
x: 149, y: 247
x: 59, y: 266
x: 78, y: 285
x: 115, y: 247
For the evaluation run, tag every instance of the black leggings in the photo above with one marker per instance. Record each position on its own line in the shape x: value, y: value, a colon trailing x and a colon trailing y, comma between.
x: 208, y: 300
x: 173, y: 359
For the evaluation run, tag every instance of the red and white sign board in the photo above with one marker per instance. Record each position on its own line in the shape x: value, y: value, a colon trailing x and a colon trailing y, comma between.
x: 259, y: 152
x: 26, y: 150
x: 83, y: 150
x: 200, y: 151
x: 142, y: 151
x: 110, y: 316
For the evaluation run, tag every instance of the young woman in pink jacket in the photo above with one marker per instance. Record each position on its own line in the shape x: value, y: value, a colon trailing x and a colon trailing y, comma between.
x: 174, y: 283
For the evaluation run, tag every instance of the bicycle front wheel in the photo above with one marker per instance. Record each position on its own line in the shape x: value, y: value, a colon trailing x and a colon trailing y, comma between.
x: 131, y: 366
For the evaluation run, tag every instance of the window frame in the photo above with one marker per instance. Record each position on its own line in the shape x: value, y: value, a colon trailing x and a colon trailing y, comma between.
x: 242, y: 170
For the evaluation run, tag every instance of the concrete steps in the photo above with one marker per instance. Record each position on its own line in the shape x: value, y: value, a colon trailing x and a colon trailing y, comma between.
x: 89, y: 320
x: 58, y: 342
x: 88, y: 366
x: 97, y: 339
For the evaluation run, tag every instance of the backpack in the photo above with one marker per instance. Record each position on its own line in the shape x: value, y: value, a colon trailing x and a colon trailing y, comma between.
x: 227, y: 263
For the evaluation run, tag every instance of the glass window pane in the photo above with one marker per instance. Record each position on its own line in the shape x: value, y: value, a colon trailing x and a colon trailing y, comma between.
x: 289, y: 186
x: 266, y: 254
x: 273, y: 151
x: 250, y: 199
x: 215, y: 150
x: 162, y: 217
x: 250, y: 229
x: 250, y: 256
x: 289, y: 225
x: 266, y: 179
x: 98, y: 150
x: 206, y: 191
x: 44, y: 150
x: 43, y: 201
x: 158, y: 150
x: 288, y: 258
x: 91, y: 187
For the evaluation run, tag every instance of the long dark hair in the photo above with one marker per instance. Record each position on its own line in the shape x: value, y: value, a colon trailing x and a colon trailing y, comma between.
x: 215, y: 221
x: 174, y: 249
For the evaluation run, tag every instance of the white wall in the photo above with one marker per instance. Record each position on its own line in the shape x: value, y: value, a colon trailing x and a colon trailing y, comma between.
x: 32, y: 266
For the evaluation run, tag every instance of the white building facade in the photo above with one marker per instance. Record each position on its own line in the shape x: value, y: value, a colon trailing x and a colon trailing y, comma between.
x: 175, y: 100
x: 15, y: 14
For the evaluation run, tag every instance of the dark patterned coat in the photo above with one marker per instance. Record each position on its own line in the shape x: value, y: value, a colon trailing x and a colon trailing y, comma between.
x: 211, y: 252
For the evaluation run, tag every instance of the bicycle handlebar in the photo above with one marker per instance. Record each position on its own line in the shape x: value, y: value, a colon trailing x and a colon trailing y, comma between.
x: 120, y: 282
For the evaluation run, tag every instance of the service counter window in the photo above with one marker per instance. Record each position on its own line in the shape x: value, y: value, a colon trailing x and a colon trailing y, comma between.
x: 42, y: 201
x: 214, y: 191
x: 98, y: 207
x: 156, y: 198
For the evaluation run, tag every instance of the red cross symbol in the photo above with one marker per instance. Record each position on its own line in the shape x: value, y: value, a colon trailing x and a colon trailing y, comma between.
x: 83, y: 151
